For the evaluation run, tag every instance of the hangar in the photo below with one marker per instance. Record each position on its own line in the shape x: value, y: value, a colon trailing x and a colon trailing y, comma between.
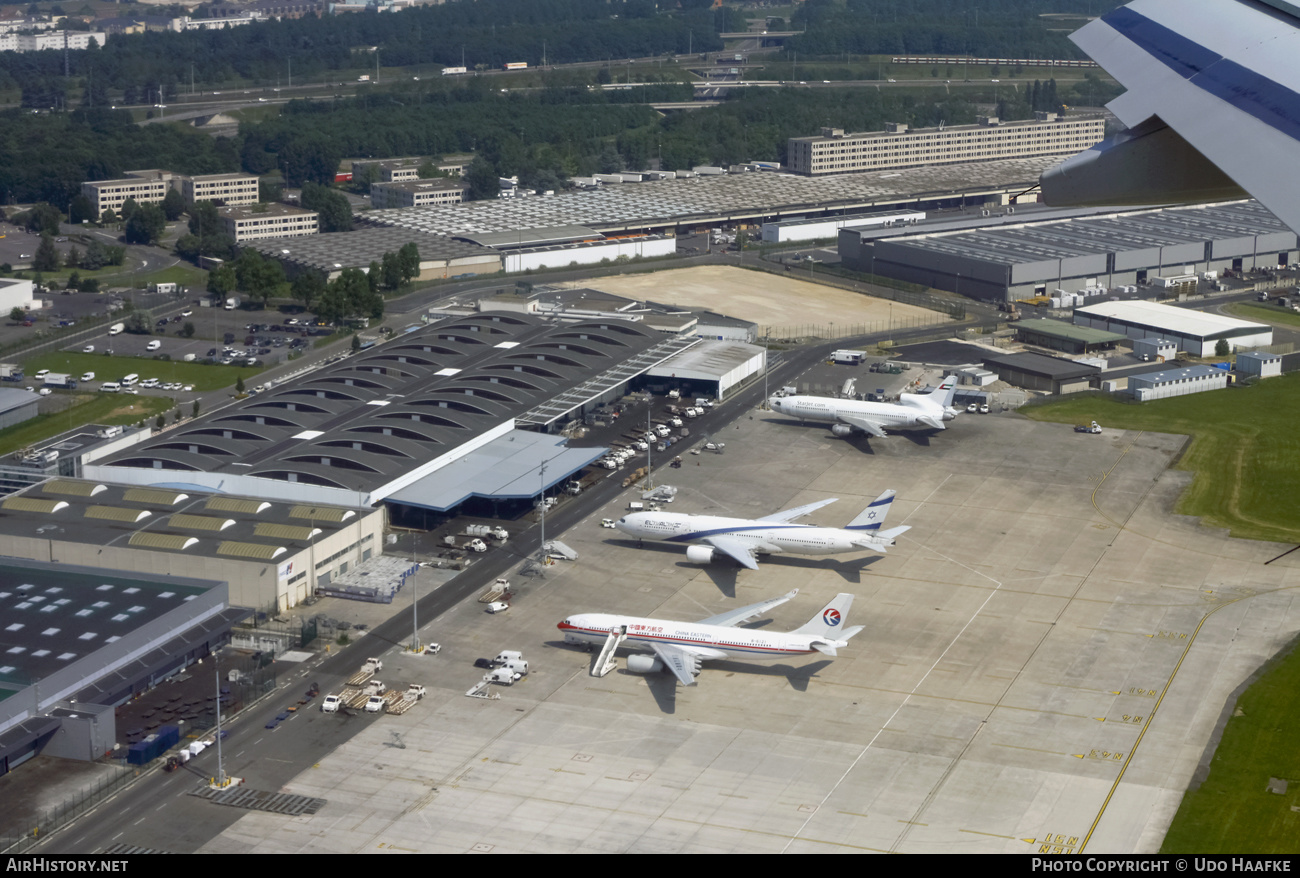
x: 1002, y: 259
x: 371, y: 424
x: 1197, y: 332
x: 90, y: 639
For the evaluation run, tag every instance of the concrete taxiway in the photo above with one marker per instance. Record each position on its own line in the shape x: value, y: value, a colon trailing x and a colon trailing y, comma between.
x: 1045, y: 658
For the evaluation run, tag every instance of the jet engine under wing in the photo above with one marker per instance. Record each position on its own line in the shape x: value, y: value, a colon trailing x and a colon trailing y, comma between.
x: 681, y: 661
x: 1222, y: 75
x: 738, y: 549
x: 732, y: 618
x: 865, y: 425
x: 790, y: 515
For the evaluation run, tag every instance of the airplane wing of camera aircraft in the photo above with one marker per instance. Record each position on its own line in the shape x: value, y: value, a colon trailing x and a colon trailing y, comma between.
x: 744, y: 539
x: 1211, y: 104
x: 682, y: 646
x: 912, y: 410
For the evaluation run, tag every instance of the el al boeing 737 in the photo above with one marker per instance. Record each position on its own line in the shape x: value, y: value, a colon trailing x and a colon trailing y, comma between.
x: 682, y: 646
x: 911, y: 410
x: 745, y: 539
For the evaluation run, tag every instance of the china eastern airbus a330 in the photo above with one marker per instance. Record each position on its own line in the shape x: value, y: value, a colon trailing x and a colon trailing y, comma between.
x: 745, y: 539
x: 682, y: 646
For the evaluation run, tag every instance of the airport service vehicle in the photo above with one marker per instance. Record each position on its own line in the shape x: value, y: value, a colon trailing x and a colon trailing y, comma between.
x: 744, y: 540
x: 330, y: 704
x: 375, y: 704
x: 1094, y: 427
x: 849, y: 415
x: 61, y: 380
x: 682, y: 646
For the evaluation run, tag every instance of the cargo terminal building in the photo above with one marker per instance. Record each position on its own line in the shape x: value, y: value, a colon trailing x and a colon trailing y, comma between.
x: 393, y: 417
x: 1197, y: 332
x: 1004, y: 259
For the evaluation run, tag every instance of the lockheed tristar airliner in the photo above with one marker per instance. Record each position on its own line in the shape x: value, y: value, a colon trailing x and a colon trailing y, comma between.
x: 911, y: 410
x: 745, y: 539
x: 682, y: 646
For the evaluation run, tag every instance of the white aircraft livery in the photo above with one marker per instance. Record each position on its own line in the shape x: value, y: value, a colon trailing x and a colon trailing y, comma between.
x: 1211, y: 106
x: 744, y: 539
x: 682, y: 646
x: 911, y: 410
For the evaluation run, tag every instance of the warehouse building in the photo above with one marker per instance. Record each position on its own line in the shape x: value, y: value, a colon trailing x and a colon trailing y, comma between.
x: 1259, y: 365
x: 357, y: 432
x: 17, y: 406
x: 78, y: 640
x: 834, y: 152
x: 1177, y: 382
x: 272, y: 554
x: 1065, y: 337
x: 1197, y: 332
x: 1013, y: 257
x: 440, y: 257
x: 1041, y: 372
x: 790, y: 231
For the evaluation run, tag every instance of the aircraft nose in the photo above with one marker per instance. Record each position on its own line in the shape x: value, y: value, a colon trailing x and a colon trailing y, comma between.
x: 774, y: 403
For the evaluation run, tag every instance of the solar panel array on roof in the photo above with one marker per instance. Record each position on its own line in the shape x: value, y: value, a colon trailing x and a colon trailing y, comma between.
x: 656, y: 204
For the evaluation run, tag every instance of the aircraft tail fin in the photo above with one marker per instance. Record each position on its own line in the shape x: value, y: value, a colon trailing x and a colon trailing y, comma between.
x: 873, y: 517
x: 829, y: 621
x: 941, y: 397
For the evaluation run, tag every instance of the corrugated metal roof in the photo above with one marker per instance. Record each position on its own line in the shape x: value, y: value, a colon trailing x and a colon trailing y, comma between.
x: 234, y: 504
x: 31, y: 504
x: 117, y: 513
x: 200, y: 522
x: 260, y: 551
x: 284, y: 531
x: 75, y: 489
x: 321, y: 513
x: 154, y: 497
x: 148, y: 539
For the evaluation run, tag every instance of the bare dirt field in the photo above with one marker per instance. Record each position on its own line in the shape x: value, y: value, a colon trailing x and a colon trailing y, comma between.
x: 767, y: 299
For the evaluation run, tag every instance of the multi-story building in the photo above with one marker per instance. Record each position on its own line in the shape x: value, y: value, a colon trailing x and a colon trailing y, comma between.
x: 835, y: 152
x: 150, y: 187
x: 219, y: 188
x: 416, y: 193
x: 72, y: 39
x: 276, y: 221
x: 146, y: 187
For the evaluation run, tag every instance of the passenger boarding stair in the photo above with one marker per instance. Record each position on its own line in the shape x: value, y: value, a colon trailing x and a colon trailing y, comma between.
x: 606, y: 662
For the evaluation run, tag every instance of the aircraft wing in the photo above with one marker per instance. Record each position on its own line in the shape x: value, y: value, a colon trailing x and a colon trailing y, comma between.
x: 865, y: 425
x: 681, y: 661
x: 1212, y: 107
x: 737, y: 549
x: 732, y: 618
x: 798, y: 512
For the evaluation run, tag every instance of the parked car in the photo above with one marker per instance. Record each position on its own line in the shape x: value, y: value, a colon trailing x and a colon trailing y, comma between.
x: 153, y: 345
x: 88, y: 349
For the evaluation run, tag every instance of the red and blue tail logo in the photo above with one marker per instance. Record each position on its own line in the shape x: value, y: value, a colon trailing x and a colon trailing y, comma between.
x: 832, y: 617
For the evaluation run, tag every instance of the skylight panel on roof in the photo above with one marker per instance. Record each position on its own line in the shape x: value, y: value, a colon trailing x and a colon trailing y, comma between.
x: 309, y: 434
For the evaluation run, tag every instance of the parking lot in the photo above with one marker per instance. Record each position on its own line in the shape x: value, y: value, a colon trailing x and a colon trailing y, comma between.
x: 1046, y: 654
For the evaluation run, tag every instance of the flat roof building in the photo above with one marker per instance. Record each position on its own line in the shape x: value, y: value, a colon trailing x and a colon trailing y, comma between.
x: 1066, y: 337
x: 1009, y: 258
x: 834, y: 152
x: 276, y: 221
x: 273, y: 554
x: 440, y: 256
x: 1177, y: 382
x: 150, y: 187
x: 416, y: 193
x: 1040, y: 372
x: 1197, y: 332
x: 218, y: 188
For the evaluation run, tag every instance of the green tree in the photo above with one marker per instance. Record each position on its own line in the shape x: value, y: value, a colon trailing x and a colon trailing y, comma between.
x: 239, y: 385
x: 146, y: 225
x: 17, y: 315
x: 47, y: 255
x: 333, y: 207
x: 484, y: 182
x: 221, y: 280
x: 194, y: 410
x: 1222, y: 348
x: 409, y: 257
x: 173, y: 205
x: 188, y: 330
x: 307, y: 287
x: 161, y: 421
x: 356, y: 342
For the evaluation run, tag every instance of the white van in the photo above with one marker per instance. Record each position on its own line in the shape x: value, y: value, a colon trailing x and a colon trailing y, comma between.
x: 110, y: 386
x: 130, y: 380
x: 153, y: 345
